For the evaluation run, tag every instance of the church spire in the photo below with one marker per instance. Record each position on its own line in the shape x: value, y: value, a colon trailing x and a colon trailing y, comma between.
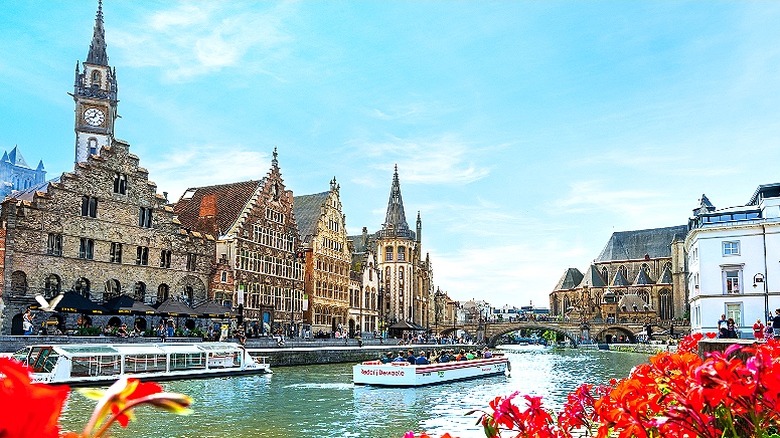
x: 97, y: 49
x: 395, y: 219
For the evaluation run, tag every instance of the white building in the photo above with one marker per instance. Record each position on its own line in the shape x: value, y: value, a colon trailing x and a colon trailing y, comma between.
x: 734, y: 262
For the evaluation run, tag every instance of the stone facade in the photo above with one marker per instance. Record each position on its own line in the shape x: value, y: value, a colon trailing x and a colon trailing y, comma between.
x: 639, y: 276
x: 257, y: 233
x: 101, y: 230
x: 322, y: 229
x: 364, y: 291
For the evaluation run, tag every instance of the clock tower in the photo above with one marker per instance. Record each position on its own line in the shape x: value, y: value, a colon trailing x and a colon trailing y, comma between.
x: 95, y: 95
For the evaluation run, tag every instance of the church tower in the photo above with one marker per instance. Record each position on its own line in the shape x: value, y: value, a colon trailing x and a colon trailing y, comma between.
x: 95, y: 95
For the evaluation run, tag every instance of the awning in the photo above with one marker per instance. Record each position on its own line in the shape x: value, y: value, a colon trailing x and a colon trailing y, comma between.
x: 124, y: 304
x: 73, y: 302
x: 171, y: 307
x: 211, y: 309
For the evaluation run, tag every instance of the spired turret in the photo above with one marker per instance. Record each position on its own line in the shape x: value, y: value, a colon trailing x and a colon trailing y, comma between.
x: 395, y: 218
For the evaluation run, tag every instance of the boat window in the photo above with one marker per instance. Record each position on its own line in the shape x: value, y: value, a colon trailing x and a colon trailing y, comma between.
x: 188, y: 361
x: 45, y: 360
x: 84, y: 366
x: 21, y: 356
x: 224, y: 359
x: 137, y: 363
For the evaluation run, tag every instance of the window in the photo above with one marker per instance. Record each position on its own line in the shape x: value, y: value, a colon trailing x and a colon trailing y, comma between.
x: 92, y: 145
x: 82, y: 287
x: 401, y: 254
x: 96, y: 78
x: 116, y: 253
x: 191, y: 261
x: 734, y: 310
x: 54, y: 244
x: 223, y: 277
x: 139, y: 292
x: 142, y: 255
x: 732, y: 281
x: 731, y: 248
x: 163, y: 292
x: 89, y: 206
x: 86, y: 248
x: 389, y: 253
x: 112, y: 289
x: 145, y: 217
x: 120, y: 183
x: 165, y: 258
x: 53, y: 286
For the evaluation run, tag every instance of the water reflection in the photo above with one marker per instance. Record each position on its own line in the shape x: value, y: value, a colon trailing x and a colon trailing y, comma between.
x: 320, y: 400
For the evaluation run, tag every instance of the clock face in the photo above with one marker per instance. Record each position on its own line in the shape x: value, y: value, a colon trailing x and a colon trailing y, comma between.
x: 94, y: 117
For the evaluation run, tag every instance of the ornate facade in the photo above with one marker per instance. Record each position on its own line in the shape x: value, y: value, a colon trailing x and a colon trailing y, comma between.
x: 322, y: 229
x: 640, y: 275
x: 364, y: 288
x: 406, y: 279
x: 101, y: 230
x: 257, y: 236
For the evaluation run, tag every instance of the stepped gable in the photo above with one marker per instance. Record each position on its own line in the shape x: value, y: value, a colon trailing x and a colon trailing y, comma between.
x: 570, y: 279
x: 639, y: 244
x: 643, y: 279
x: 592, y: 278
x: 307, y: 210
x: 666, y: 276
x: 214, y: 209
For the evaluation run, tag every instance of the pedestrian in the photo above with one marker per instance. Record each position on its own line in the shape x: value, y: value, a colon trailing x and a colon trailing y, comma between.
x: 161, y: 331
x: 722, y: 326
x: 758, y: 330
x: 776, y: 324
x: 731, y: 329
x: 27, y: 322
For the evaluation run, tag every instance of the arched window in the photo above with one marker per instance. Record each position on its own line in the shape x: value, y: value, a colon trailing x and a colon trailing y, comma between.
x: 370, y: 272
x: 401, y: 254
x: 120, y: 183
x: 18, y: 283
x: 665, y: 309
x: 389, y: 253
x: 223, y: 277
x: 645, y: 296
x: 605, y: 273
x: 163, y: 292
x: 92, y: 146
x: 189, y: 295
x: 139, y: 292
x: 112, y: 290
x: 96, y: 79
x: 82, y: 287
x: 623, y: 271
x: 52, y: 286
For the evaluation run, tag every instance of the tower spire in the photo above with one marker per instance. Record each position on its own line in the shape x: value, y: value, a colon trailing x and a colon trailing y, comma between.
x: 97, y: 49
x: 395, y: 219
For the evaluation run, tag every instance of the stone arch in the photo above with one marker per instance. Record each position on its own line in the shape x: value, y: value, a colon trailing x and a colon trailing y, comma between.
x: 81, y: 287
x: 192, y: 289
x: 113, y: 288
x: 52, y: 286
x: 491, y: 341
x: 600, y: 335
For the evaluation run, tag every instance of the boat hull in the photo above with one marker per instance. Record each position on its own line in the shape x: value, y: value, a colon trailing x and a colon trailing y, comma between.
x: 403, y: 374
x: 161, y: 377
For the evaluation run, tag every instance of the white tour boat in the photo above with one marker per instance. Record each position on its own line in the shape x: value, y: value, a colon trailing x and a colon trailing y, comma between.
x: 101, y: 364
x: 405, y: 374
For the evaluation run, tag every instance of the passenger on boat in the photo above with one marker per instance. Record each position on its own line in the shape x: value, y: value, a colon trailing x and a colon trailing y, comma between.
x: 471, y: 355
x: 410, y: 357
x: 387, y: 358
x: 461, y: 356
x: 444, y: 357
x: 486, y: 354
x: 421, y: 359
x: 400, y: 357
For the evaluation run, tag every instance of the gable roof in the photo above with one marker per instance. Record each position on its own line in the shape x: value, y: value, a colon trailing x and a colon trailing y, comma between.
x: 620, y: 279
x: 666, y: 276
x: 221, y: 209
x: 308, y: 209
x: 642, y: 278
x: 635, y: 245
x: 592, y: 278
x: 570, y: 279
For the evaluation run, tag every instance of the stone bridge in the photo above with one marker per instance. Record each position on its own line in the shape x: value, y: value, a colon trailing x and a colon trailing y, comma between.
x: 491, y: 332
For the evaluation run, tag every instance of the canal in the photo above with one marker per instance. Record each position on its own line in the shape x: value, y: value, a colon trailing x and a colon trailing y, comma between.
x: 320, y: 400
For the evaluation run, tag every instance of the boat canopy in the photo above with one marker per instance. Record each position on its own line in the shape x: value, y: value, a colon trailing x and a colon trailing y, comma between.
x: 161, y: 348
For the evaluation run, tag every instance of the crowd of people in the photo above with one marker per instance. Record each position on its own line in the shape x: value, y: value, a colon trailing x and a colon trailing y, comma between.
x: 436, y: 356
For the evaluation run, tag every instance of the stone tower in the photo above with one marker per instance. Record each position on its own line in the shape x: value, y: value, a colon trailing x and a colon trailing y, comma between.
x: 95, y: 96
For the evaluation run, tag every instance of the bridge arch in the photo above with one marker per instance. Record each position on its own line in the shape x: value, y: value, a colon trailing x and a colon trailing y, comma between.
x: 494, y: 337
x: 601, y: 334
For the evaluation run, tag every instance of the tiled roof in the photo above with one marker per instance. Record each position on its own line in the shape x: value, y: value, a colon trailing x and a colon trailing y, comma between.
x: 619, y: 280
x: 643, y: 279
x: 308, y: 209
x: 666, y: 276
x: 635, y: 245
x: 228, y: 201
x: 570, y: 279
x: 28, y: 193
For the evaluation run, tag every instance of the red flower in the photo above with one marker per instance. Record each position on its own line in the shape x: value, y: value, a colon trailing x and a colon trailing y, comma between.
x: 28, y: 409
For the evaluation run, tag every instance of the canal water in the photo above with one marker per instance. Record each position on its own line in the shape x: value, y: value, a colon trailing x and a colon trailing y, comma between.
x: 321, y: 401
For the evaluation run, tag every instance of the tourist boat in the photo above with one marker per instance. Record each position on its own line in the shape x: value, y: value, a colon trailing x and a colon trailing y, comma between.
x: 101, y: 364
x: 405, y: 374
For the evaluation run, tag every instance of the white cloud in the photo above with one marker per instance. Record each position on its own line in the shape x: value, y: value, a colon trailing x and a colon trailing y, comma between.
x: 442, y: 160
x: 189, y: 40
x: 206, y: 164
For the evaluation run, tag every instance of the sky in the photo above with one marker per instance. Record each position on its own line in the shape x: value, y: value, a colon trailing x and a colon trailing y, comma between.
x: 525, y: 132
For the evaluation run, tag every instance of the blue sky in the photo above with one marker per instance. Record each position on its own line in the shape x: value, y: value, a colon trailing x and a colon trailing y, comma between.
x: 525, y: 132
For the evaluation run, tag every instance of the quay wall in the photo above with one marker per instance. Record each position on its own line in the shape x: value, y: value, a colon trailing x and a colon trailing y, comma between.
x: 642, y: 348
